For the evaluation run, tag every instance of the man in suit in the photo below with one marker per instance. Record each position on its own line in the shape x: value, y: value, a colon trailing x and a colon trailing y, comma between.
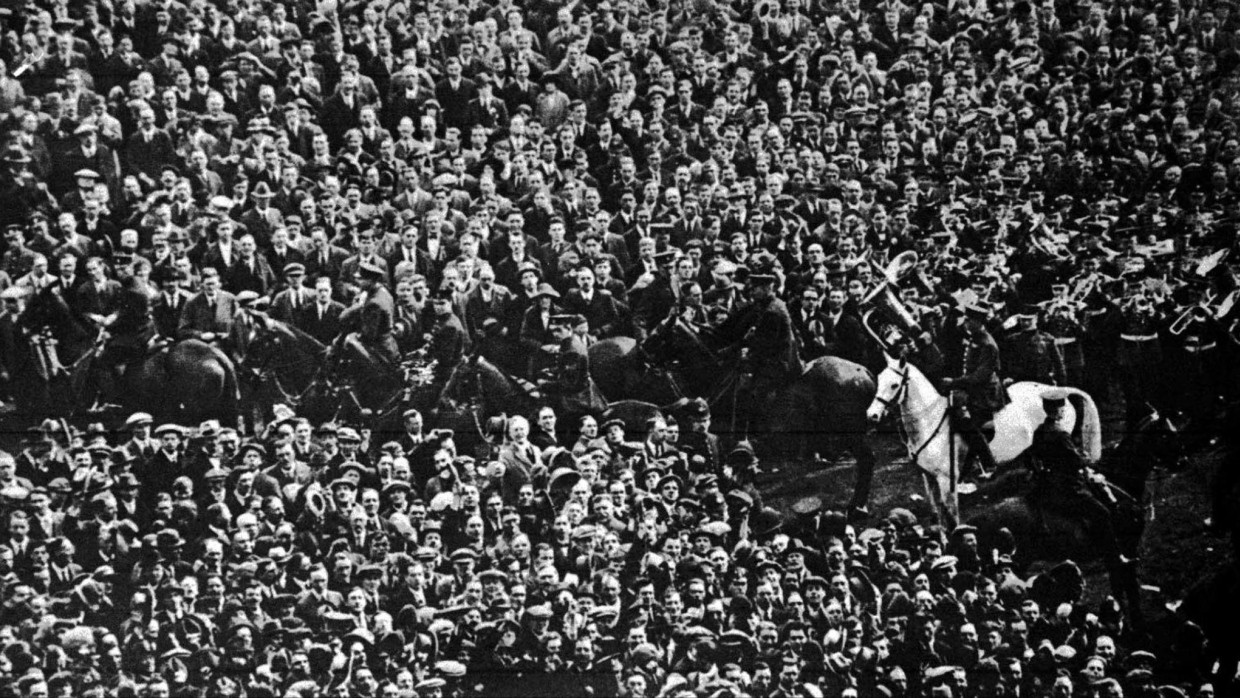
x: 261, y: 219
x: 486, y: 300
x: 286, y: 470
x: 455, y: 93
x: 223, y: 253
x: 149, y: 148
x: 366, y: 254
x: 842, y: 333
x: 321, y: 318
x: 288, y: 304
x: 521, y: 459
x: 250, y: 272
x: 977, y: 392
x: 343, y: 111
x: 171, y: 301
x: 96, y: 297
x: 486, y: 109
x: 209, y: 316
x: 323, y: 258
x: 408, y: 258
x: 594, y: 304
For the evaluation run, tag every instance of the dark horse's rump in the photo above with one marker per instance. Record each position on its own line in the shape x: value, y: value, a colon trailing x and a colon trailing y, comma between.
x: 187, y: 382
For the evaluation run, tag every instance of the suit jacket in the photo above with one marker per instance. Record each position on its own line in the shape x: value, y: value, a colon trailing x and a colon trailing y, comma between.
x: 315, y: 266
x: 270, y: 482
x: 844, y: 337
x: 325, y: 328
x: 337, y: 117
x: 492, y: 116
x: 213, y: 256
x: 534, y: 332
x: 283, y: 308
x: 478, y: 310
x: 198, y: 318
x: 278, y: 260
x: 600, y: 311
x: 147, y: 157
x: 421, y: 263
x: 91, y: 299
x: 455, y: 101
x: 520, y: 467
x: 168, y: 315
x: 260, y: 279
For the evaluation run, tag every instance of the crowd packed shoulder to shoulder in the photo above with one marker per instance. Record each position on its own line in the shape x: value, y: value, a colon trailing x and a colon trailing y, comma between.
x: 437, y: 176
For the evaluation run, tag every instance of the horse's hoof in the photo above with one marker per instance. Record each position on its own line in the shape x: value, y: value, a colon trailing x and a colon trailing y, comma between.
x: 966, y: 488
x: 858, y: 514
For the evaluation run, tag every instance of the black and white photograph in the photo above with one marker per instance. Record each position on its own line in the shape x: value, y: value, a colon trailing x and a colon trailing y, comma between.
x: 619, y: 349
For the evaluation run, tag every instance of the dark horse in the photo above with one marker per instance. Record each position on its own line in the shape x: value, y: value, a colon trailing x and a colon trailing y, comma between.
x: 821, y: 411
x: 185, y: 382
x: 477, y: 390
x: 623, y: 371
x: 281, y: 364
x: 1047, y: 534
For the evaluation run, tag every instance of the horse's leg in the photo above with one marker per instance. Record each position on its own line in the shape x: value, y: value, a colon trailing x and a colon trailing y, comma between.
x: 932, y: 492
x: 950, y: 501
x: 859, y: 446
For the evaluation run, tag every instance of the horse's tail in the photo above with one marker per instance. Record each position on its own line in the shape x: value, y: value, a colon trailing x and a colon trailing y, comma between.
x: 230, y: 391
x: 1091, y: 424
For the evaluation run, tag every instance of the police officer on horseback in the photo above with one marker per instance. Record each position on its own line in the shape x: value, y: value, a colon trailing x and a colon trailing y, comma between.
x: 764, y: 331
x: 130, y: 326
x: 1063, y: 477
x: 976, y: 393
x: 568, y: 384
x: 371, y: 319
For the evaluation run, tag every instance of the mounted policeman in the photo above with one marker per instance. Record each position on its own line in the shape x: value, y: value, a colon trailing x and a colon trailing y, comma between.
x: 976, y: 393
x: 764, y: 332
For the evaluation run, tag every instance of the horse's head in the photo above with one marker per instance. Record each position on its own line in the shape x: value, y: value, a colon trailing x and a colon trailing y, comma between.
x: 49, y: 309
x: 272, y: 341
x: 892, y: 384
x: 463, y: 385
x: 674, y: 339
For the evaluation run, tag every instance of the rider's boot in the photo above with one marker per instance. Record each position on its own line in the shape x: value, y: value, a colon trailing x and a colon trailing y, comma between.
x: 981, y: 461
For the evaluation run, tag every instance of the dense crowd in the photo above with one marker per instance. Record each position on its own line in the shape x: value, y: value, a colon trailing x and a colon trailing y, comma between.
x: 393, y: 178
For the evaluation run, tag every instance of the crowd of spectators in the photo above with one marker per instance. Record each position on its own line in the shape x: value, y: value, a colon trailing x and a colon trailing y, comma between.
x: 1072, y: 164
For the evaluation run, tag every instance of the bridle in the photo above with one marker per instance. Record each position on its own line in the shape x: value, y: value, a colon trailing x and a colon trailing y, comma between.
x: 896, y: 399
x: 898, y: 396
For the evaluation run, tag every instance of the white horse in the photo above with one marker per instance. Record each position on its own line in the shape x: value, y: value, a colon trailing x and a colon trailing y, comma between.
x: 924, y: 413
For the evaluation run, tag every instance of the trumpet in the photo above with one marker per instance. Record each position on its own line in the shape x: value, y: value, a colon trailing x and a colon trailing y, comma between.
x: 1199, y: 312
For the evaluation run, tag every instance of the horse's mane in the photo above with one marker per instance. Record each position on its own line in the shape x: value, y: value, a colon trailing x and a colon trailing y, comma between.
x: 494, y: 384
x: 300, y: 334
x: 49, y: 310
